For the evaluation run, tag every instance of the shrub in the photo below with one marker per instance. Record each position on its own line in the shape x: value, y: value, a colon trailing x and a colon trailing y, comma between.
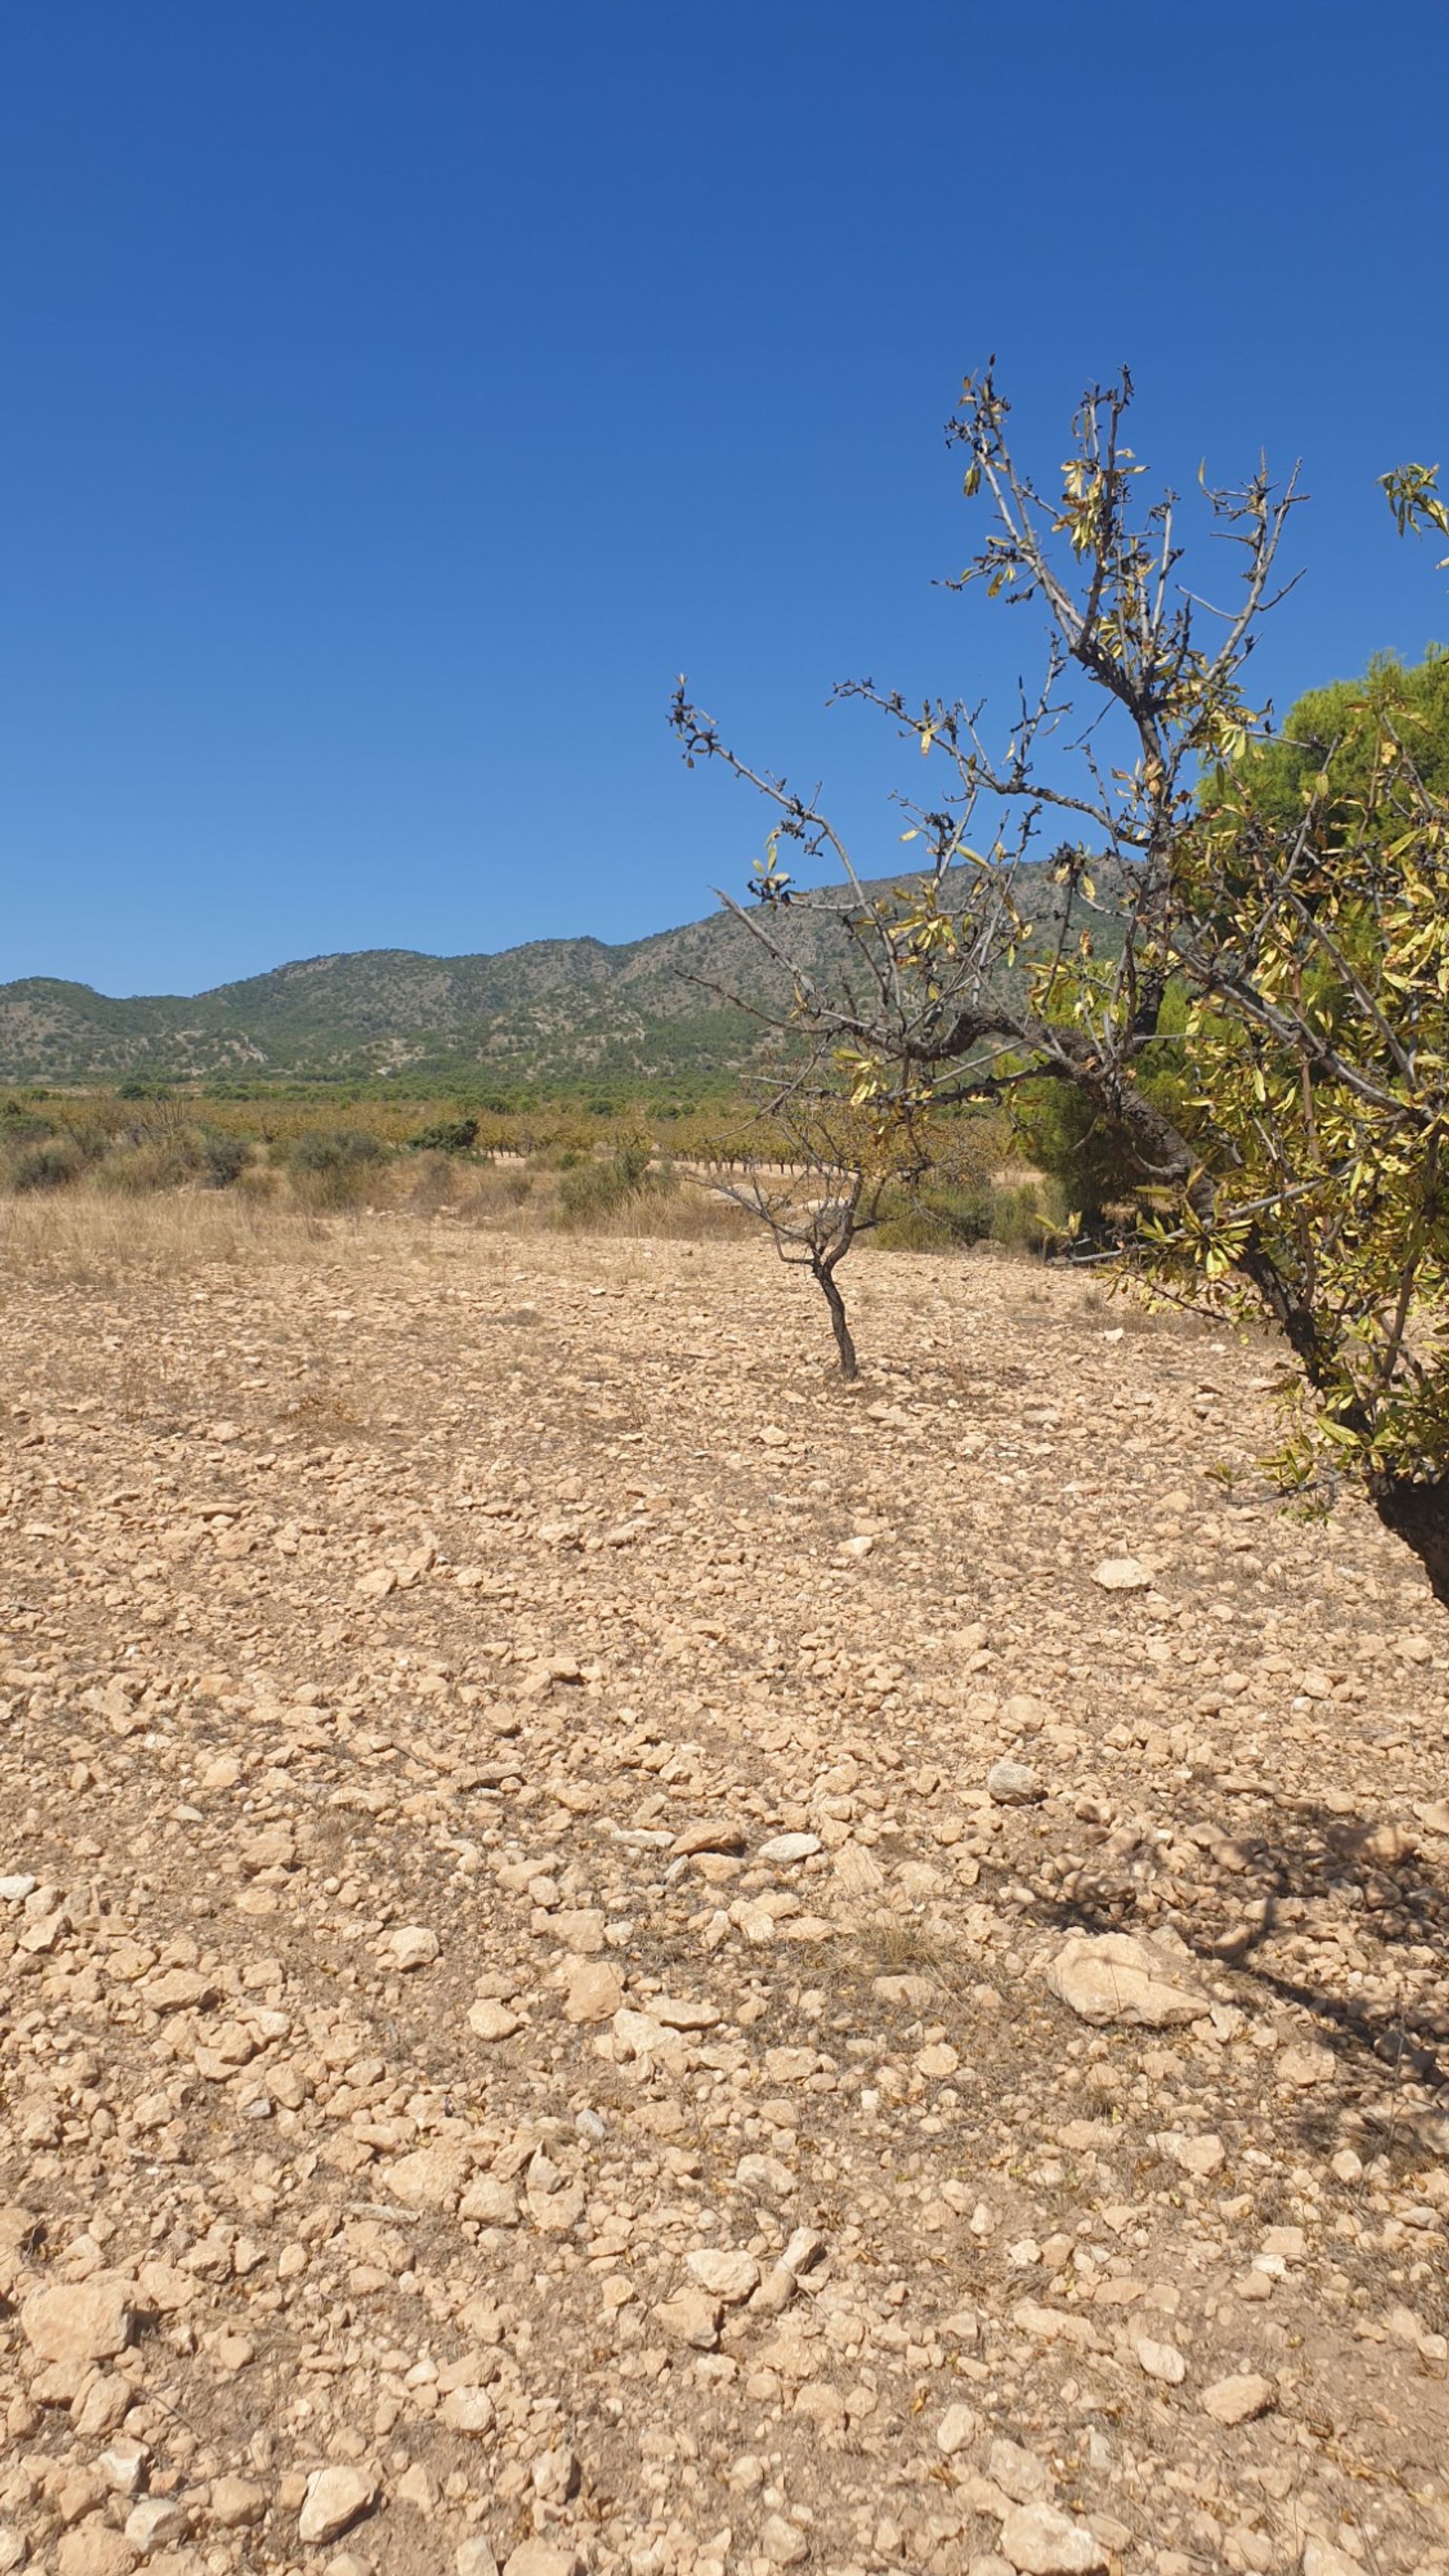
x: 1027, y: 1218
x: 334, y: 1170
x: 322, y: 1150
x: 445, y: 1136
x: 593, y: 1192
x: 935, y: 1220
x: 51, y: 1165
x: 224, y: 1157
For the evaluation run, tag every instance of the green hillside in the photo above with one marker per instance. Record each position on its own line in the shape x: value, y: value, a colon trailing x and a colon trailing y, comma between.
x: 553, y: 1014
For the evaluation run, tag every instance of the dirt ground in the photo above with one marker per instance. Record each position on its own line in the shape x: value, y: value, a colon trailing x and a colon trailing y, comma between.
x: 550, y: 1883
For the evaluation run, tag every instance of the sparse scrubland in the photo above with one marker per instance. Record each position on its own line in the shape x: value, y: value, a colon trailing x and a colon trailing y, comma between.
x: 614, y: 1951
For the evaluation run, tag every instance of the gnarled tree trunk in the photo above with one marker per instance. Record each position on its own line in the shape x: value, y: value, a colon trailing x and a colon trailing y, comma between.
x: 1419, y: 1516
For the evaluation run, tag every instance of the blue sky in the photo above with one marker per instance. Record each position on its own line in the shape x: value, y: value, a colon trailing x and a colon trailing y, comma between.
x: 397, y: 397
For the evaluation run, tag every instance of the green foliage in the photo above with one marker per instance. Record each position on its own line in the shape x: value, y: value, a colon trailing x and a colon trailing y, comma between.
x: 341, y: 1149
x: 335, y: 1170
x: 934, y: 1219
x: 50, y: 1165
x: 593, y: 1191
x: 445, y: 1136
x: 1336, y: 733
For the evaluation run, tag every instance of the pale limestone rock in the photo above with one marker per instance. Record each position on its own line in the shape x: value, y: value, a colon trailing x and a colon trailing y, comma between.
x: 957, y: 2427
x: 595, y: 1991
x: 429, y: 2178
x: 783, y: 2543
x: 1039, y: 2540
x: 235, y: 2502
x: 467, y: 2410
x: 79, y: 2321
x: 1238, y: 2398
x: 336, y: 2498
x: 724, y: 2274
x: 1122, y: 1574
x: 491, y: 2021
x: 1118, y: 1977
x: 692, y: 2317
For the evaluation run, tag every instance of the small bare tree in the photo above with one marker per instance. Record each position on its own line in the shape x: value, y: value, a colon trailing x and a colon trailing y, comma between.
x: 1085, y: 908
x: 832, y: 1187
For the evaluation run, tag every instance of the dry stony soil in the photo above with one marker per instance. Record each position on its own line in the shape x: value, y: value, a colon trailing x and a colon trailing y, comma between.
x: 553, y: 1877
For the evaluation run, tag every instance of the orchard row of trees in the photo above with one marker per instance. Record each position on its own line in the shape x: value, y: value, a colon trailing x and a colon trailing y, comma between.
x: 1209, y: 960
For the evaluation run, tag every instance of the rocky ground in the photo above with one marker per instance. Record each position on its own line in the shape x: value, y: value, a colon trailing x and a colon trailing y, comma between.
x: 615, y: 1957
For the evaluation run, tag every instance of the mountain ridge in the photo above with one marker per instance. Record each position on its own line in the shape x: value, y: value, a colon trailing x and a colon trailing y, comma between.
x: 549, y: 1012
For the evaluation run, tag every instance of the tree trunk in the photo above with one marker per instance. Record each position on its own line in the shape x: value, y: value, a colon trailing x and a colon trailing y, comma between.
x: 849, y: 1365
x: 1419, y: 1515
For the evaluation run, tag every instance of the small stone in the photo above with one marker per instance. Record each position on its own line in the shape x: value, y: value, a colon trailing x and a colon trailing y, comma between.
x: 429, y: 2178
x: 540, y: 2558
x: 725, y: 2275
x: 957, y: 2427
x: 123, y: 2466
x: 1199, y: 2156
x: 467, y: 2410
x: 92, y: 2549
x: 490, y: 2020
x: 14, y: 1890
x: 783, y: 2543
x: 155, y: 2522
x: 692, y: 2317
x: 235, y: 2502
x: 491, y: 2202
x: 1039, y: 2540
x: 411, y: 1946
x: 1013, y: 1784
x: 1122, y: 1574
x: 709, y: 1834
x: 1238, y: 2398
x: 474, y: 2556
x: 1321, y: 2558
x: 675, y: 2014
x: 335, y: 2499
x: 80, y: 2320
x: 1161, y: 2361
x: 594, y: 1992
x: 785, y: 1848
x: 940, y: 2059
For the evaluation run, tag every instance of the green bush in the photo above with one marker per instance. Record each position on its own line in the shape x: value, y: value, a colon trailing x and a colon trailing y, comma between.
x: 21, y: 1126
x: 224, y: 1157
x: 51, y: 1165
x: 594, y: 1191
x: 936, y: 1220
x: 334, y: 1169
x: 1027, y: 1218
x: 445, y: 1136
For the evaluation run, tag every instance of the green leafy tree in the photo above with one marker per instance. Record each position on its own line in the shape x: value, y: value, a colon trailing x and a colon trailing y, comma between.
x: 1280, y: 946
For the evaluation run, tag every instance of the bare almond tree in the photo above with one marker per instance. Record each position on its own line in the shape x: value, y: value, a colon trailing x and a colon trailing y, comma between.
x: 1078, y: 907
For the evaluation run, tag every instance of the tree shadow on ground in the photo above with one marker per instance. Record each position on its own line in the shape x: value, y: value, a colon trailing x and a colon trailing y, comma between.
x: 1326, y: 1879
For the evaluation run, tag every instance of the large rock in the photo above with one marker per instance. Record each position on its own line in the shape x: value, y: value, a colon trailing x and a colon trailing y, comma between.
x: 1114, y: 1976
x: 80, y: 2321
x: 335, y: 2499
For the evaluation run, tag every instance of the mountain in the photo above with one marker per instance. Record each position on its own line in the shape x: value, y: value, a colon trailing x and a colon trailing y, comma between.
x: 556, y: 1013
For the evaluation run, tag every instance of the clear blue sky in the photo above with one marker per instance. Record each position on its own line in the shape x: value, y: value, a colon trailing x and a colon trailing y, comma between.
x: 397, y: 396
